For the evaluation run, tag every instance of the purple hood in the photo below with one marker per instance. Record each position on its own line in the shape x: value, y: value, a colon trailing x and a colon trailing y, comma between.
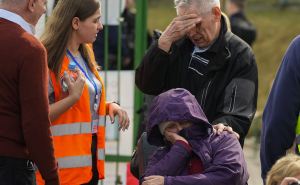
x: 176, y: 105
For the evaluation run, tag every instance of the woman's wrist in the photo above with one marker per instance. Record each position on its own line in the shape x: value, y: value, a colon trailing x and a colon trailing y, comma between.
x: 115, y: 102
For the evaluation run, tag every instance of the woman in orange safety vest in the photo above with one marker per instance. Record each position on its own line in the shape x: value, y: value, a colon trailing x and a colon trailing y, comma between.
x: 76, y: 92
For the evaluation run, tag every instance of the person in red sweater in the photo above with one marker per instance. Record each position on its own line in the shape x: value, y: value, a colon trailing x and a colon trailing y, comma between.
x: 25, y: 137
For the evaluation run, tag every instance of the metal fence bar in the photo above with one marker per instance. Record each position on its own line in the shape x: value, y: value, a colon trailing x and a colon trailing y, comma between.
x: 140, y: 48
x: 119, y: 61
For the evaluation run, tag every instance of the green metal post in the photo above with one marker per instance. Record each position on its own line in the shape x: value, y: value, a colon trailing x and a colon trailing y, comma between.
x: 106, y: 42
x: 119, y: 61
x: 105, y: 62
x: 140, y: 48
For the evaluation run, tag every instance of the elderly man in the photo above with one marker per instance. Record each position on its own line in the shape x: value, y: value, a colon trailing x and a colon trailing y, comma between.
x: 24, y: 123
x: 196, y: 52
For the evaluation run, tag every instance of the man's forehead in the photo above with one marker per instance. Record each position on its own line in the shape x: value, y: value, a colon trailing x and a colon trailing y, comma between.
x: 187, y: 10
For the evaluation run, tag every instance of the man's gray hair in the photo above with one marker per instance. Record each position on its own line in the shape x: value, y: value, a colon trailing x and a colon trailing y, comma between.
x: 204, y: 5
x: 15, y: 2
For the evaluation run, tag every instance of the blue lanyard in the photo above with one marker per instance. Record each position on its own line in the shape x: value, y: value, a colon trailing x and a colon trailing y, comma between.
x: 85, y: 74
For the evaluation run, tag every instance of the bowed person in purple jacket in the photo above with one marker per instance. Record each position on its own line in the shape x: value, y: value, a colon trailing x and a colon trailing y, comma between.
x: 190, y: 152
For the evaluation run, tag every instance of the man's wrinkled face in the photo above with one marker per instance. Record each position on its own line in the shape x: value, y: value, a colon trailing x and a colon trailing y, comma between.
x: 205, y: 32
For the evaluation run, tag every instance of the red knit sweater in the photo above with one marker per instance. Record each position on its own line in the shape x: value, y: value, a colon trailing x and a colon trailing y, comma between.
x: 24, y: 121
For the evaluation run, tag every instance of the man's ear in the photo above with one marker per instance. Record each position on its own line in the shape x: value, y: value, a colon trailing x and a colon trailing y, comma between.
x: 217, y: 13
x: 31, y: 5
x: 75, y: 23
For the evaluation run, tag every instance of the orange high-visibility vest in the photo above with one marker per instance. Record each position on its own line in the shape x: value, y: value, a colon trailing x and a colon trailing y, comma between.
x: 72, y: 136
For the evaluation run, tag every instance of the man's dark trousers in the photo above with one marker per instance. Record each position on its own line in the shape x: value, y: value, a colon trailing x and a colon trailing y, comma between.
x: 15, y: 171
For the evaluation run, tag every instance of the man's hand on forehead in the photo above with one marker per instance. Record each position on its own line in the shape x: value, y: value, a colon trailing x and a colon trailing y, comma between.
x: 189, y: 19
x: 177, y: 29
x: 187, y: 16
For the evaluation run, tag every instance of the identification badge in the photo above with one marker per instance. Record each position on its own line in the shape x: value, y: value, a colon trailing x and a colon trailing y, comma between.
x: 95, y: 126
x: 95, y: 107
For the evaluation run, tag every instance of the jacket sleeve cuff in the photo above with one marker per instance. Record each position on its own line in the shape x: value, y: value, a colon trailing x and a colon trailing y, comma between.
x: 156, y: 49
x: 107, y: 105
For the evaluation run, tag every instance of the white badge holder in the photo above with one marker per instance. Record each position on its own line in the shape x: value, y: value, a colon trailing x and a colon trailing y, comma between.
x: 95, y: 124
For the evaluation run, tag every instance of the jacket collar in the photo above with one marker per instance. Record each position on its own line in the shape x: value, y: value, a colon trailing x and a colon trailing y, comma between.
x: 220, y: 41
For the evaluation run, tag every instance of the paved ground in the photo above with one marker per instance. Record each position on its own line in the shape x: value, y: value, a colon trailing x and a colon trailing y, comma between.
x: 251, y: 151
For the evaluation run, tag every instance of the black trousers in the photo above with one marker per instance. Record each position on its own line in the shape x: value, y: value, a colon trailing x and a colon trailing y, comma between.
x: 16, y: 171
x: 95, y: 177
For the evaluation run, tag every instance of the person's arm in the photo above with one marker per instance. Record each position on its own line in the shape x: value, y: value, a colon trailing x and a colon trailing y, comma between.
x: 282, y: 110
x: 240, y: 97
x: 151, y: 74
x: 33, y: 80
x: 113, y: 110
x: 228, y: 166
x: 170, y: 164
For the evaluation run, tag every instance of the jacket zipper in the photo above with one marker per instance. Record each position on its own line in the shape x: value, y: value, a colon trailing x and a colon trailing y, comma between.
x: 232, y: 101
x: 204, y: 94
x: 202, y: 158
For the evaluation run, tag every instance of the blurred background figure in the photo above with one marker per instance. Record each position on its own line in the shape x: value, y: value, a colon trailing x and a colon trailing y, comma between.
x: 111, y: 19
x: 283, y: 3
x: 120, y: 13
x: 128, y: 34
x: 240, y: 25
x: 286, y: 171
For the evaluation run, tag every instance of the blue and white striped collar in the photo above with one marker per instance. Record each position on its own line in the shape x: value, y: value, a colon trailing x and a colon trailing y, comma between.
x: 13, y: 17
x: 200, y: 50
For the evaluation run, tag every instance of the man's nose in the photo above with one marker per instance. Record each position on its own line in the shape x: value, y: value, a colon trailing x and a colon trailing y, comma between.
x: 192, y: 31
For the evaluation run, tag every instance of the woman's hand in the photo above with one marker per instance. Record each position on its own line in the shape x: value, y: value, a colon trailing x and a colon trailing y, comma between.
x: 115, y: 110
x: 154, y: 180
x: 75, y: 87
x: 219, y: 128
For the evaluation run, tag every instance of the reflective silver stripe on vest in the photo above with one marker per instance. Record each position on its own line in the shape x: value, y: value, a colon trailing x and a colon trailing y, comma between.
x: 102, y: 121
x: 75, y: 162
x: 101, y: 154
x: 73, y: 128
